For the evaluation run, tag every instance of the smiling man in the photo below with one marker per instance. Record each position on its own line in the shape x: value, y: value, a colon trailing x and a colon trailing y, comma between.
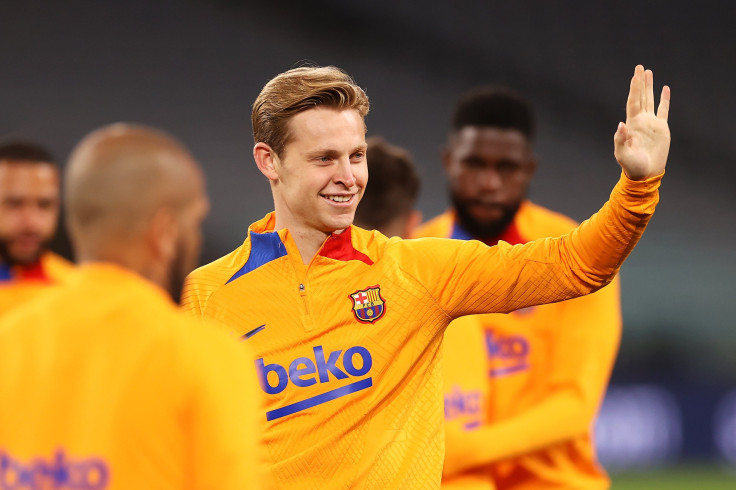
x: 29, y: 214
x: 347, y: 324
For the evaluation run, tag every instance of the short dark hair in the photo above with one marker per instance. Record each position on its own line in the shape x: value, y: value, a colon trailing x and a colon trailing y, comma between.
x: 495, y: 107
x: 25, y: 151
x: 393, y: 185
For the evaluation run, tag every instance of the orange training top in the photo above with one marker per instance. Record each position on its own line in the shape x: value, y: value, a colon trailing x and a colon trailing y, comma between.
x: 348, y: 346
x: 546, y: 369
x: 19, y: 284
x: 105, y: 384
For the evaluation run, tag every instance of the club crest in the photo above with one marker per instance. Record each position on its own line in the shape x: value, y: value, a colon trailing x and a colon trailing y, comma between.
x: 368, y: 305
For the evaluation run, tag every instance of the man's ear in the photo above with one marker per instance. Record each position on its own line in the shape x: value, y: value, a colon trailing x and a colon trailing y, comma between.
x: 446, y: 159
x: 267, y: 161
x: 163, y: 235
x: 415, y: 219
x: 532, y: 165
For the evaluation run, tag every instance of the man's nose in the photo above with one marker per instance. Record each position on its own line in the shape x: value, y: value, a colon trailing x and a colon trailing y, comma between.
x: 490, y: 180
x: 344, y: 173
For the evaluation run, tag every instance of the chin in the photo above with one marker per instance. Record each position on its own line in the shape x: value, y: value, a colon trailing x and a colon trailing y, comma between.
x: 338, y: 223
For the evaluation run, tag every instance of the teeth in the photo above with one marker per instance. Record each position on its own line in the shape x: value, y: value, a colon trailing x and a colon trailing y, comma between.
x: 339, y: 198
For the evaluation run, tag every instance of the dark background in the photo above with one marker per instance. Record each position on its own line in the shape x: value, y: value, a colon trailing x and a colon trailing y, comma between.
x: 195, y: 67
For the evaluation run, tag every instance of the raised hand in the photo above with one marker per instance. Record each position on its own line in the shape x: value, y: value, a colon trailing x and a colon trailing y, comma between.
x: 641, y: 144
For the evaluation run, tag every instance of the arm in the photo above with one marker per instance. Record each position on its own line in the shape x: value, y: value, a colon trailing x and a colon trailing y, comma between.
x: 504, y: 278
x: 583, y: 356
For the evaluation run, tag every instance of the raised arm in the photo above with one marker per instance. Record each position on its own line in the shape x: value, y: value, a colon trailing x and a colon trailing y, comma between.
x: 475, y: 279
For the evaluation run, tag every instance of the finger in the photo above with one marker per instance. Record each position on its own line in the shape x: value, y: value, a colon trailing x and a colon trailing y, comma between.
x: 619, y: 137
x: 649, y: 92
x: 663, y: 111
x: 633, y: 103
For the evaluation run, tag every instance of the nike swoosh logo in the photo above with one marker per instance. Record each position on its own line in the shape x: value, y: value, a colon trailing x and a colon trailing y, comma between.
x: 250, y: 334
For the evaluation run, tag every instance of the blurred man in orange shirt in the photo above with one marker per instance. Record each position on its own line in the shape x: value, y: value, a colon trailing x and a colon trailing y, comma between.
x: 547, y: 366
x: 388, y: 206
x: 347, y: 324
x: 29, y: 213
x: 105, y: 383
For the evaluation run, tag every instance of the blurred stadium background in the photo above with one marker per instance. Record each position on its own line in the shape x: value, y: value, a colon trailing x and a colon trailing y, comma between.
x: 194, y: 67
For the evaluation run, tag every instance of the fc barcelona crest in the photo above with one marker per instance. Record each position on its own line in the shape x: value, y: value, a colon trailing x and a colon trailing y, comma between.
x: 368, y: 305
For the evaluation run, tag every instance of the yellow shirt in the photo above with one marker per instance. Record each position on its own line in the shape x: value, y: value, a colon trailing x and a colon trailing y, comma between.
x: 19, y: 284
x: 105, y: 384
x: 546, y: 369
x: 348, y: 346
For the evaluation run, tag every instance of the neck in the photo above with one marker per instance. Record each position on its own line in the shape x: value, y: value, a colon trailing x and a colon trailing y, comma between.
x: 308, y: 240
x: 128, y: 256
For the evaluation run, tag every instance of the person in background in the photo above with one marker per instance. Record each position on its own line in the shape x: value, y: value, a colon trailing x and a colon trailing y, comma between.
x: 29, y: 216
x: 524, y: 414
x: 105, y: 383
x: 388, y: 202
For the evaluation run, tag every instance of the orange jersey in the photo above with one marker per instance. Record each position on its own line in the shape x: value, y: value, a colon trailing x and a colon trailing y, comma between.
x: 348, y: 346
x: 467, y: 393
x: 19, y: 284
x: 106, y: 384
x: 546, y: 370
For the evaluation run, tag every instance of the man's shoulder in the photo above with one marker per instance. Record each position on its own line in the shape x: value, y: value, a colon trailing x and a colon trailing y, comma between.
x: 535, y: 221
x: 439, y: 226
x: 57, y: 267
x: 219, y: 271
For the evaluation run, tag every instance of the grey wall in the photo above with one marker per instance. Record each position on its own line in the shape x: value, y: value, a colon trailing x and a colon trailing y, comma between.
x: 194, y: 68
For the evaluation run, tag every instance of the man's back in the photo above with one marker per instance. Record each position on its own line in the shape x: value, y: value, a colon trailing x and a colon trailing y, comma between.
x: 106, y: 384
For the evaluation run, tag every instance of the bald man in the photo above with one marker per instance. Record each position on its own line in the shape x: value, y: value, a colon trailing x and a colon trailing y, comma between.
x: 105, y: 384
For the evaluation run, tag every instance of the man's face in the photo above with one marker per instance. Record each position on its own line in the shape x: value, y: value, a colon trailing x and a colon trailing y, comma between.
x: 29, y: 210
x: 189, y: 244
x: 322, y: 171
x: 489, y: 171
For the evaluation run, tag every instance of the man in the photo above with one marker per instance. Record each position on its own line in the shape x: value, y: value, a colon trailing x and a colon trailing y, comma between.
x: 29, y: 213
x: 548, y: 366
x: 347, y: 323
x: 388, y: 204
x: 105, y: 383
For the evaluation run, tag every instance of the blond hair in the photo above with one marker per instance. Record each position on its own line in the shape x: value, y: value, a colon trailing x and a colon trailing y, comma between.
x: 296, y: 91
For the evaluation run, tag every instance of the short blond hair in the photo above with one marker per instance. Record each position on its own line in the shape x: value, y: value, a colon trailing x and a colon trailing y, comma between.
x: 296, y: 91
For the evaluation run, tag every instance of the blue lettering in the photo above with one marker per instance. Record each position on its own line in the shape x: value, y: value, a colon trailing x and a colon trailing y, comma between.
x: 329, y: 366
x: 512, y: 347
x: 263, y: 370
x: 296, y: 372
x: 60, y: 472
x: 347, y: 361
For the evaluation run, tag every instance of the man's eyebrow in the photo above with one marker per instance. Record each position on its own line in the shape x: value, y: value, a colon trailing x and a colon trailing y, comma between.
x: 322, y: 152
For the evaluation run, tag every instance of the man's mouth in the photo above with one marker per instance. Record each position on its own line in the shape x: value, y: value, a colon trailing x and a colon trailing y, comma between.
x: 338, y: 198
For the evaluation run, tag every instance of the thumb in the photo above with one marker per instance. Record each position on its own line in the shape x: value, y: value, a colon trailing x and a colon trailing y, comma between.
x: 621, y: 135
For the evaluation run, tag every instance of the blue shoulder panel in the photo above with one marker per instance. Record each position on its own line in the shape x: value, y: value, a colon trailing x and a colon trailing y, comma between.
x: 264, y: 247
x: 6, y: 273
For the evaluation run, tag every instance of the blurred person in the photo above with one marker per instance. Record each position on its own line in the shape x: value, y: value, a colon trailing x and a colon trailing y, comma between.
x: 387, y: 204
x: 347, y: 323
x: 29, y: 215
x: 529, y: 420
x: 105, y: 383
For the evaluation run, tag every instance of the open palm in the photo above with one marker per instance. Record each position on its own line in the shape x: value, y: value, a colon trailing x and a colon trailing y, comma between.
x: 642, y: 143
